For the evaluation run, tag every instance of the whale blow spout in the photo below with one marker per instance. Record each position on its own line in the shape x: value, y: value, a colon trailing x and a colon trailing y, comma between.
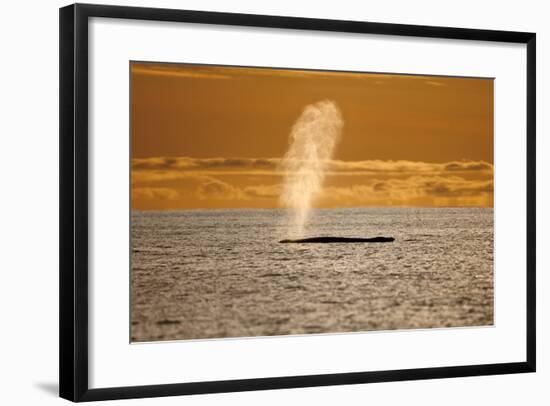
x: 312, y: 143
x: 328, y: 240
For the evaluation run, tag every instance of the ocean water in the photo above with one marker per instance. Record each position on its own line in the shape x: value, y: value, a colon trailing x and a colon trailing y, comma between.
x: 222, y: 273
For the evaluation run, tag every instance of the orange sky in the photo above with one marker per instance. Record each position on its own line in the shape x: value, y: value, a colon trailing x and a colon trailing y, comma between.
x: 212, y: 136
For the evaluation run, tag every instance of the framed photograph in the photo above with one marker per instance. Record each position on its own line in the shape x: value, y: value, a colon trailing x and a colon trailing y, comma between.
x: 257, y: 202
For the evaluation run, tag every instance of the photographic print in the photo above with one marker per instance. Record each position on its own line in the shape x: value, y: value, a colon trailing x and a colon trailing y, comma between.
x: 273, y: 201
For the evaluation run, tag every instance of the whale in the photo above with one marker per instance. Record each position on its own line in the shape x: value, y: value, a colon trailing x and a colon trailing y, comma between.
x: 328, y: 240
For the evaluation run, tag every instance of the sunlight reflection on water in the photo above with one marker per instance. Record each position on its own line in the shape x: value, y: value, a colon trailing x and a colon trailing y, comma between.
x: 222, y: 273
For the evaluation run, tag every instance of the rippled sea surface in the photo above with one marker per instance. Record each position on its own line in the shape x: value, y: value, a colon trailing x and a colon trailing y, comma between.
x: 222, y: 273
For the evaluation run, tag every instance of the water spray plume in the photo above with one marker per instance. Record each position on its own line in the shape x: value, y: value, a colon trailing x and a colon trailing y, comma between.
x: 312, y: 142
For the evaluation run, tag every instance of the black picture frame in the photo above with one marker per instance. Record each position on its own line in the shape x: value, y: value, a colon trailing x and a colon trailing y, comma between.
x: 73, y: 280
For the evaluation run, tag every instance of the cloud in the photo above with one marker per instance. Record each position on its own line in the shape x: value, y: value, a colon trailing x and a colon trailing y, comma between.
x: 154, y: 193
x: 263, y: 191
x: 416, y: 190
x: 380, y: 187
x: 457, y: 187
x: 216, y: 189
x: 163, y: 169
x: 178, y: 167
x: 181, y: 71
x: 197, y: 164
x: 462, y: 166
x: 198, y: 71
x: 407, y: 167
x: 434, y: 83
x: 232, y: 72
x: 377, y: 166
x: 350, y: 184
x: 156, y: 176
